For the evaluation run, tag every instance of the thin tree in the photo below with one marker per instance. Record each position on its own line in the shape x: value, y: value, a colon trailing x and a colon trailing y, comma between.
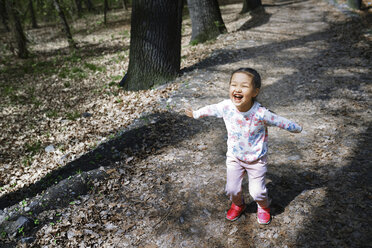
x: 79, y: 7
x: 32, y: 12
x: 125, y: 5
x: 206, y: 20
x: 17, y: 29
x: 89, y: 5
x: 249, y: 5
x: 66, y: 27
x: 4, y: 15
x: 155, y: 45
x: 105, y: 9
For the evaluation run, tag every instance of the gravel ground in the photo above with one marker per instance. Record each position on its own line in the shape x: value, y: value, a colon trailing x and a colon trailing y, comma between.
x: 168, y: 191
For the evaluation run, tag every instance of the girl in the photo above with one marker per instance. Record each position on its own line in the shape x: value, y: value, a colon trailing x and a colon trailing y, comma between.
x: 246, y: 123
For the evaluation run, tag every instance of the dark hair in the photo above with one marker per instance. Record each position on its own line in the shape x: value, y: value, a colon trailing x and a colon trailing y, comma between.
x: 256, y: 78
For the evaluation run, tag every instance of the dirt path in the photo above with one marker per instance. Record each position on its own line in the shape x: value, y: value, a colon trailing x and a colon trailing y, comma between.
x: 315, y: 64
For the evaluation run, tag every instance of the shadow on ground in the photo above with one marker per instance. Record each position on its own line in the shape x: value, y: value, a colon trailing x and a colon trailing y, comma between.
x: 348, y: 218
x: 137, y: 142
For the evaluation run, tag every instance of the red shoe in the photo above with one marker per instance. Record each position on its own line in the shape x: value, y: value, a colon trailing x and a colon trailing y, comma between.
x: 235, y: 212
x: 263, y: 215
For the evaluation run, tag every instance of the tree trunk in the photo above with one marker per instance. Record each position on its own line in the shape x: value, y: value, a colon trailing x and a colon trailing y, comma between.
x: 355, y: 4
x: 79, y: 7
x: 17, y: 29
x: 89, y: 5
x: 206, y: 20
x: 65, y: 25
x: 32, y: 12
x: 249, y: 5
x: 105, y: 9
x: 155, y: 44
x: 4, y: 15
x: 125, y: 5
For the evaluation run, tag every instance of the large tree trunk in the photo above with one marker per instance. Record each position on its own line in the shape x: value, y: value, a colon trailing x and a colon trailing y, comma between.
x: 65, y: 25
x: 206, y: 20
x: 355, y: 4
x: 155, y: 44
x: 17, y: 30
x: 33, y: 16
x: 4, y: 15
x: 249, y: 5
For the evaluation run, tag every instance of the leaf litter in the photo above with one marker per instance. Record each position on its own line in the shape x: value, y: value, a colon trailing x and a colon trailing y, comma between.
x: 174, y: 196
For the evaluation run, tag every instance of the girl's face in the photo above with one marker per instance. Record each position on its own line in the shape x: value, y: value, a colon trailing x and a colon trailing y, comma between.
x: 242, y: 91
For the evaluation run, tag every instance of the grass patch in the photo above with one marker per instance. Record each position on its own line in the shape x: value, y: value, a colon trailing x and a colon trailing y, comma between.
x: 94, y: 67
x: 72, y: 73
x: 33, y: 147
x: 73, y: 115
x: 51, y: 113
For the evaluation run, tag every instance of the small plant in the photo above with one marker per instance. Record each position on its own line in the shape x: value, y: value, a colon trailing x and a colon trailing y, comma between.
x: 72, y: 203
x: 94, y: 67
x: 67, y: 84
x: 194, y: 42
x: 7, y: 218
x: 116, y: 77
x: 3, y: 234
x: 33, y: 147
x: 98, y: 156
x: 36, y: 222
x: 21, y: 231
x: 125, y: 34
x: 79, y: 172
x: 73, y: 115
x: 24, y: 203
x: 52, y: 113
x: 27, y: 161
x: 218, y: 24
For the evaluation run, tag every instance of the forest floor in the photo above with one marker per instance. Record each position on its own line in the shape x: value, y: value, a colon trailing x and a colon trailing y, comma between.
x: 167, y: 190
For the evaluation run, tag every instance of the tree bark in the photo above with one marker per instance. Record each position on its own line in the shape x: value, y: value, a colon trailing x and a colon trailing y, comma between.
x: 33, y: 16
x: 4, y: 15
x: 65, y: 25
x: 155, y: 45
x: 125, y: 5
x: 249, y: 5
x: 355, y: 4
x: 206, y: 20
x: 105, y: 9
x: 17, y: 30
x: 89, y: 5
x: 79, y: 7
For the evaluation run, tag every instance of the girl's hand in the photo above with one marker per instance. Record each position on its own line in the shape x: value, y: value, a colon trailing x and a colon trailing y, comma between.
x: 189, y: 113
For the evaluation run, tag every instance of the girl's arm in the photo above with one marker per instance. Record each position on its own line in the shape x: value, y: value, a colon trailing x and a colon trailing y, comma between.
x: 272, y: 119
x: 210, y: 110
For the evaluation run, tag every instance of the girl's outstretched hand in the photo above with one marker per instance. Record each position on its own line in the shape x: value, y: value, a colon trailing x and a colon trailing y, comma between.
x: 189, y: 113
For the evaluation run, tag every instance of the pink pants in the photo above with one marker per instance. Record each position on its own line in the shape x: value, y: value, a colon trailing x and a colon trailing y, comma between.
x: 256, y: 177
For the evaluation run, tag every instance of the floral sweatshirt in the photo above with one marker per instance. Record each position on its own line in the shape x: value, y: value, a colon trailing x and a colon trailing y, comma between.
x: 247, y: 131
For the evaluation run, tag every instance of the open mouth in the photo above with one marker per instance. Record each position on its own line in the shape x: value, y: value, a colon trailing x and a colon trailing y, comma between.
x: 237, y: 97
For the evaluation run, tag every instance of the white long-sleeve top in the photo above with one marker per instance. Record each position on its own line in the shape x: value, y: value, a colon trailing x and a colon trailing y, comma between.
x: 247, y: 131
